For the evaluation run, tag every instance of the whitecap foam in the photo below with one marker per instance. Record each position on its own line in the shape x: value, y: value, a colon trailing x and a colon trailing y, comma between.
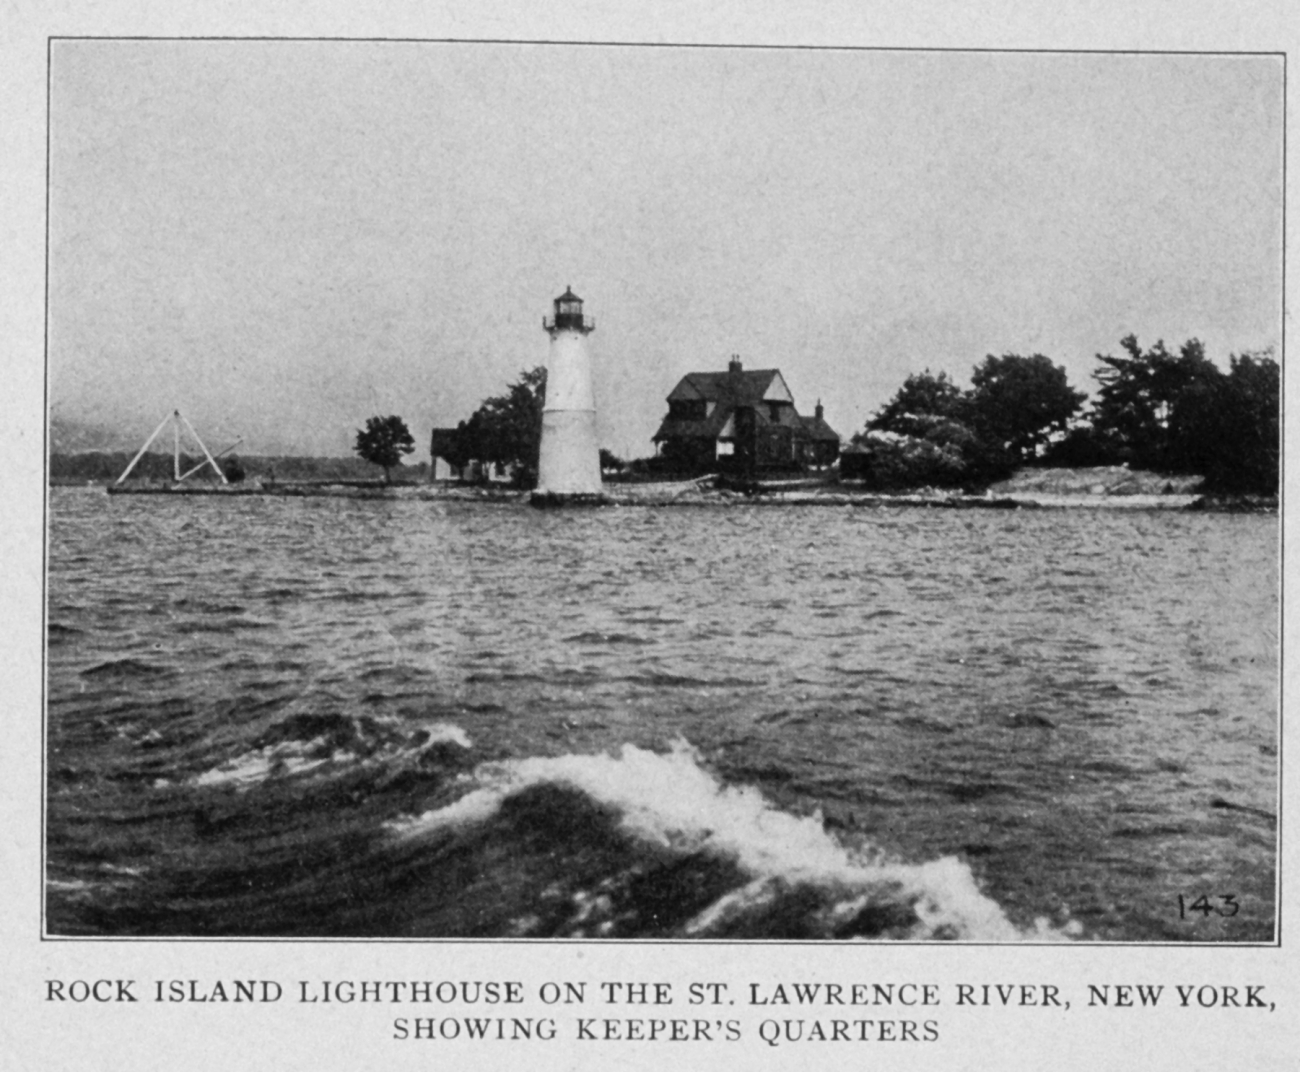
x: 670, y: 800
x: 293, y: 757
x: 260, y: 764
x: 444, y: 733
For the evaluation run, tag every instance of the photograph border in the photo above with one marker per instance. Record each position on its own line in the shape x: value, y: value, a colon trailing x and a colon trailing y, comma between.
x: 1280, y: 781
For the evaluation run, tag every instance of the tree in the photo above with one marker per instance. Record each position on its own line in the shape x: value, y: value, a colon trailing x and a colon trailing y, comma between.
x: 506, y: 430
x: 1137, y: 408
x: 1179, y: 412
x: 925, y: 436
x: 1253, y: 442
x: 1082, y: 447
x: 923, y: 394
x: 896, y: 461
x: 1016, y: 403
x: 610, y: 460
x: 1227, y: 427
x: 383, y: 442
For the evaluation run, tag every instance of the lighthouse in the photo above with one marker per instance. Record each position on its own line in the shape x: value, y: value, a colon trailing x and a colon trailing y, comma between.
x: 569, y: 467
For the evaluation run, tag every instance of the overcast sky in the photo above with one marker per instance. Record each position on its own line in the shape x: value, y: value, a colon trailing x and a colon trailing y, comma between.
x: 284, y: 238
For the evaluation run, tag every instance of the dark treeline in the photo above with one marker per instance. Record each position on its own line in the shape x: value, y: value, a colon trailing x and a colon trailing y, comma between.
x: 104, y: 467
x: 1180, y: 413
x: 1154, y: 410
x: 505, y: 431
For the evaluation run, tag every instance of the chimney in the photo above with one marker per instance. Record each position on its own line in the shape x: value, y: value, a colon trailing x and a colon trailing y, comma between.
x: 733, y: 366
x: 817, y: 410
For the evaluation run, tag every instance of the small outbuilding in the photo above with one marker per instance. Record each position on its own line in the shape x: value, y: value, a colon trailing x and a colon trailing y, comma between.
x: 442, y: 447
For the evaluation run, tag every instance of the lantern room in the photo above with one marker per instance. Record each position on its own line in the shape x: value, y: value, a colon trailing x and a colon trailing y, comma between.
x: 568, y: 315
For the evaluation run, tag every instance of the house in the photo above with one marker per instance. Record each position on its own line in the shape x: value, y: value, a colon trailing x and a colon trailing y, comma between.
x: 855, y: 461
x: 741, y: 420
x: 442, y: 446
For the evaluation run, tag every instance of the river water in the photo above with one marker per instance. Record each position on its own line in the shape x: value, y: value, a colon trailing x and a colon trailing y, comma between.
x: 329, y: 717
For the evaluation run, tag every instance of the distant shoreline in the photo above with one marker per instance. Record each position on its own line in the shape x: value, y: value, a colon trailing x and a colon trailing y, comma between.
x: 700, y: 493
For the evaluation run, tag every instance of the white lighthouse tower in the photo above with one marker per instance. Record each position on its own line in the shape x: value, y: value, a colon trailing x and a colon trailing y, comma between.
x: 569, y: 467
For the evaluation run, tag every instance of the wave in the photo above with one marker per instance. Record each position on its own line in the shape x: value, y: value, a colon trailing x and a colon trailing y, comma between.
x: 305, y: 743
x: 683, y: 855
x: 338, y: 825
x: 127, y: 668
x: 607, y: 638
x: 204, y: 606
x: 662, y: 679
x: 227, y: 625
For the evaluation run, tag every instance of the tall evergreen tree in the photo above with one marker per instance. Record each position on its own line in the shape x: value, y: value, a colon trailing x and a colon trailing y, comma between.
x: 1228, y: 427
x: 1137, y: 408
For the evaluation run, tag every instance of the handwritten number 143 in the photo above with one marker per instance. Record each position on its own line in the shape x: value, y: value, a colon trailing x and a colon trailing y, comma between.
x: 1228, y: 907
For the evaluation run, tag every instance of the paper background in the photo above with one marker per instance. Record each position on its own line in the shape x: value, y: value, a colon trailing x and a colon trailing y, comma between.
x: 34, y: 1033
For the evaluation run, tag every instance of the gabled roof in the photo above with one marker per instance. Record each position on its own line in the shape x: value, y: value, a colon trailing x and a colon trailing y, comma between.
x: 441, y: 441
x: 727, y: 390
x: 730, y: 388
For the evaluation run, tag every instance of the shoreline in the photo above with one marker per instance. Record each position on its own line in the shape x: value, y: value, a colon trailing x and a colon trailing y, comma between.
x: 691, y: 493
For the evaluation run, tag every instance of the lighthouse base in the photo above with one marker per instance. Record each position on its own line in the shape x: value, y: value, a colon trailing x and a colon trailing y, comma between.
x: 550, y: 500
x: 570, y: 460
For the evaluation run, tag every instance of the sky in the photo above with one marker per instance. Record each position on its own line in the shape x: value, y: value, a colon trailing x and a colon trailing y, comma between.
x: 283, y: 238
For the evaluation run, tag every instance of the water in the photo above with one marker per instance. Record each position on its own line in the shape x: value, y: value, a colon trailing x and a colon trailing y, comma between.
x: 408, y: 718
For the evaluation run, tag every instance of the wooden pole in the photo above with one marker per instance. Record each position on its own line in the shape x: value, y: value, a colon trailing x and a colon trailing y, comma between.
x: 176, y: 446
x: 140, y: 454
x: 197, y: 440
x: 219, y: 454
